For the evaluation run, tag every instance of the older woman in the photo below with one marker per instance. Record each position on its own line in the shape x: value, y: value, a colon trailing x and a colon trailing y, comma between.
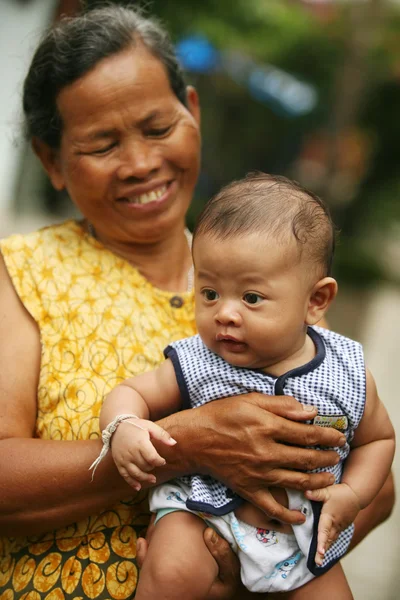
x: 86, y: 304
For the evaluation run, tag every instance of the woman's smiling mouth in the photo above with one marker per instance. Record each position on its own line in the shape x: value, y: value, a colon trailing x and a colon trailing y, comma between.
x: 147, y: 197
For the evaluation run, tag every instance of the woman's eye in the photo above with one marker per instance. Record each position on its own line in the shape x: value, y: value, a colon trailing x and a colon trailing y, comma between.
x: 158, y: 132
x: 210, y: 295
x: 252, y: 298
x: 104, y: 150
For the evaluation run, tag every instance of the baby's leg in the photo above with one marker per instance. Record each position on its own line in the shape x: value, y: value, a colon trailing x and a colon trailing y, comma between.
x: 330, y: 586
x: 178, y: 564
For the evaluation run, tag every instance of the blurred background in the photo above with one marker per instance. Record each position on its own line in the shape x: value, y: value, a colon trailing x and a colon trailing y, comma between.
x: 309, y: 89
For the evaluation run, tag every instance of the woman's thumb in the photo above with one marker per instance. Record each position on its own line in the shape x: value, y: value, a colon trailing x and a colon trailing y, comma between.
x: 158, y: 433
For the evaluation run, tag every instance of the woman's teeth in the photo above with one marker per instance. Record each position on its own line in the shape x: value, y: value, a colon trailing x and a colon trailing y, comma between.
x: 149, y: 197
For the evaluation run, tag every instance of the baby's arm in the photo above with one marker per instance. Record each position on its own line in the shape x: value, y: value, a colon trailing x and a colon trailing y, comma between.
x: 152, y: 395
x: 366, y: 470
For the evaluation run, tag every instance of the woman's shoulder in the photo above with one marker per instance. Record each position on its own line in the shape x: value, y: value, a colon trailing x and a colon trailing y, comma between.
x: 59, y: 232
x: 36, y: 257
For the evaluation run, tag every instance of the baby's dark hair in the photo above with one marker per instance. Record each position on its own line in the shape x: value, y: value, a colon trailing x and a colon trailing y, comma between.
x: 276, y: 206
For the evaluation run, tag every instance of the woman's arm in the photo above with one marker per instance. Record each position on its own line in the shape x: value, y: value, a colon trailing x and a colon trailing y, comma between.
x: 43, y: 484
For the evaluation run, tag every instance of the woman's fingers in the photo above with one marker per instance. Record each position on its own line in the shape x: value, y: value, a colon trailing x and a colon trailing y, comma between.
x: 283, y: 406
x: 264, y: 500
x: 158, y: 433
x: 143, y: 543
x: 290, y: 457
x: 278, y: 415
x: 228, y: 566
x: 299, y: 481
x: 302, y: 434
x: 141, y: 551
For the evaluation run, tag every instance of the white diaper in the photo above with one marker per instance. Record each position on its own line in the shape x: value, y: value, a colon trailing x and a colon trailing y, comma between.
x: 270, y: 561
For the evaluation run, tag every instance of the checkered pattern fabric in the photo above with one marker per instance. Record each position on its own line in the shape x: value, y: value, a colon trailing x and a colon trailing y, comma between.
x: 334, y: 381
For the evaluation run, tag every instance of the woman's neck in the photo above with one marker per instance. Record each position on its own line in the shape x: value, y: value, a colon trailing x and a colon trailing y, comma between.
x: 165, y: 264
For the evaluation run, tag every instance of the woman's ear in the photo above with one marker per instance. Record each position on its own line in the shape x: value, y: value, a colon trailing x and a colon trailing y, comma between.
x: 49, y: 157
x: 322, y: 294
x: 193, y: 103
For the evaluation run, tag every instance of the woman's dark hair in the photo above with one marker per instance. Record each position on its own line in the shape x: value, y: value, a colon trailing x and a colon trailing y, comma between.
x: 74, y: 46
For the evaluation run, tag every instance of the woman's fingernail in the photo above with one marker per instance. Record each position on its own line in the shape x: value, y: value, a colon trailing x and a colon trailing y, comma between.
x: 214, y: 538
x: 172, y: 441
x: 308, y: 408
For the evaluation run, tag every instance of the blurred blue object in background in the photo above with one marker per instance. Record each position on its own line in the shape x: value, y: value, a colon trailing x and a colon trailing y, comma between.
x: 272, y: 85
x: 197, y: 54
x: 284, y: 93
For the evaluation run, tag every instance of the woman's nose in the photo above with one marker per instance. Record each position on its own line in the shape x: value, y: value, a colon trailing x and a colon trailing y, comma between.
x: 138, y: 159
x: 228, y: 315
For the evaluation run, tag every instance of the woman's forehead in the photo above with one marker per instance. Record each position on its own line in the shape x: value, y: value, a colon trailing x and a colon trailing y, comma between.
x: 133, y: 80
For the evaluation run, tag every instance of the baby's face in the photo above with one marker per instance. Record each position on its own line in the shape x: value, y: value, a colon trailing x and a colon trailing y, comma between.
x: 252, y: 298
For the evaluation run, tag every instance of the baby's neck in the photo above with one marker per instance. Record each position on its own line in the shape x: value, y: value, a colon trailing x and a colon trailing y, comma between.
x: 300, y: 357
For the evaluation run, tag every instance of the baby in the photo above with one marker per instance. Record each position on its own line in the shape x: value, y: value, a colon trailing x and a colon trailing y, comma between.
x: 262, y: 253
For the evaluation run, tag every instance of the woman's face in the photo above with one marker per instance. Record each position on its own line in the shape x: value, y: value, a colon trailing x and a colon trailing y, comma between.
x: 129, y: 153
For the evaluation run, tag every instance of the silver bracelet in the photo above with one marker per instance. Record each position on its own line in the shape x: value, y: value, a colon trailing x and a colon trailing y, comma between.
x: 106, y: 436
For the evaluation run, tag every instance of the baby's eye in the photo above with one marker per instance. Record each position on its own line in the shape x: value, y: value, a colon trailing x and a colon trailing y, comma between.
x: 252, y: 298
x: 210, y: 295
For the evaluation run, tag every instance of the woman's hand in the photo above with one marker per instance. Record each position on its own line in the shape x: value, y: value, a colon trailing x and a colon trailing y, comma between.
x: 251, y: 442
x: 227, y: 585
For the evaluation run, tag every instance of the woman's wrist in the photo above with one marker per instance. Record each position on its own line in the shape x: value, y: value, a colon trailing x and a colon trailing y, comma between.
x: 184, y: 427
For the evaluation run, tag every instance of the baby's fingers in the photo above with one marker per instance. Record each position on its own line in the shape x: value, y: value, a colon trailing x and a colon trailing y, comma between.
x: 135, y: 476
x: 158, y: 433
x: 324, y: 537
x: 150, y: 456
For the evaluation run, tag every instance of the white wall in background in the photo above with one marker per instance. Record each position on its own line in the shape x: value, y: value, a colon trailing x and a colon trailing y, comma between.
x: 21, y: 24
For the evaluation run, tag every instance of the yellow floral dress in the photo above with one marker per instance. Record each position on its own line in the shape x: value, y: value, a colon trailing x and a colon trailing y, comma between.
x: 100, y: 321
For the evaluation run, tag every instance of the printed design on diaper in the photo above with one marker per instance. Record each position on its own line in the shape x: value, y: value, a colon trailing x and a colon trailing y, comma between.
x: 175, y: 496
x: 266, y: 536
x: 284, y: 567
x: 238, y: 533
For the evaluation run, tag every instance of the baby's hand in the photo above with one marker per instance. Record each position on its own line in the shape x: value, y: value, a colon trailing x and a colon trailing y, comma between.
x: 340, y: 508
x: 133, y: 452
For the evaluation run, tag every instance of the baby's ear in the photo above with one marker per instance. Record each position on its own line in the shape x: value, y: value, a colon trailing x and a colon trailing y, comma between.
x: 322, y: 294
